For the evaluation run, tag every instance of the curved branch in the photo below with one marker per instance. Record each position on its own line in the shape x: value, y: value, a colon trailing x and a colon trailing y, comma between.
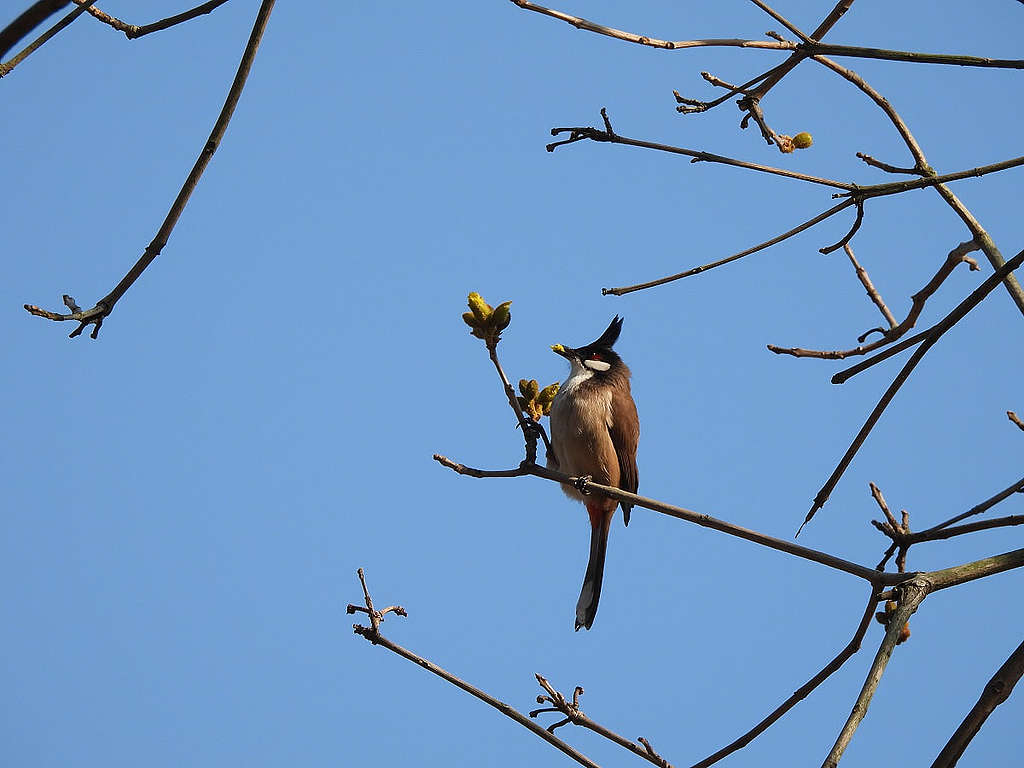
x: 721, y: 262
x: 105, y: 305
x: 580, y: 133
x: 29, y: 49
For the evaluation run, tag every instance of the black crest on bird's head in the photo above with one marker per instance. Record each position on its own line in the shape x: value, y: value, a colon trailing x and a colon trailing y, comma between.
x: 609, y: 337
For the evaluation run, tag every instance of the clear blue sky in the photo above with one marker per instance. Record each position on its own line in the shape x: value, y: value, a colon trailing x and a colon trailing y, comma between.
x: 187, y: 498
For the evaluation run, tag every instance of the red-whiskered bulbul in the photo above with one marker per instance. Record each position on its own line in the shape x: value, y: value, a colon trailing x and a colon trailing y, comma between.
x: 594, y: 432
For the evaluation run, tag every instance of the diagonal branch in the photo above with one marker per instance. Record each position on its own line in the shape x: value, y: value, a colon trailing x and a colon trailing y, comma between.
x: 105, y: 305
x: 955, y: 316
x: 865, y: 280
x: 801, y: 693
x: 995, y: 692
x: 911, y: 595
x: 28, y: 20
x: 721, y: 262
x: 373, y: 634
x: 917, y: 303
x: 22, y: 26
x: 573, y: 714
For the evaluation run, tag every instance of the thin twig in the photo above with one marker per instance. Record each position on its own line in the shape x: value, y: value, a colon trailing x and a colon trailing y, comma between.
x: 951, y: 319
x: 865, y: 280
x: 372, y: 634
x: 528, y: 425
x: 912, y: 593
x: 106, y: 305
x: 43, y: 38
x: 580, y: 133
x: 705, y: 267
x: 1015, y: 419
x: 886, y: 166
x: 573, y: 714
x: 782, y: 20
x: 801, y: 693
x: 133, y: 31
x: 917, y: 303
x: 995, y: 692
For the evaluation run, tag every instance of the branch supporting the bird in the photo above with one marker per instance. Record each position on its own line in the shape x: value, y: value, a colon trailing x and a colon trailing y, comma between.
x: 703, y: 520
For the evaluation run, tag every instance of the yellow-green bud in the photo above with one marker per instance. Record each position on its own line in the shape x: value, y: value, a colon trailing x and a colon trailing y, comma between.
x: 557, y: 348
x: 547, y: 395
x: 803, y: 140
x: 532, y: 389
x: 470, y: 319
x: 481, y: 309
x: 501, y: 316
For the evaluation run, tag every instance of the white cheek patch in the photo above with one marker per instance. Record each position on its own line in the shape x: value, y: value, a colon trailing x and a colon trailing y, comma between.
x: 597, y: 365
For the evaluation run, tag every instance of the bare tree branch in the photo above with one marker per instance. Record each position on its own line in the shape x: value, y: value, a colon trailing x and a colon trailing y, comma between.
x: 911, y: 594
x: 373, y: 634
x: 917, y: 303
x: 580, y: 133
x: 132, y: 31
x: 865, y: 280
x: 573, y: 714
x: 978, y: 232
x: 105, y: 305
x: 721, y: 262
x: 995, y: 692
x: 21, y: 29
x: 801, y: 693
x: 1010, y: 414
x: 29, y: 19
x: 951, y: 319
x: 706, y: 521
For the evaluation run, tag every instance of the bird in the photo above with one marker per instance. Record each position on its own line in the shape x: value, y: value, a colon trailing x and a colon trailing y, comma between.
x: 594, y: 433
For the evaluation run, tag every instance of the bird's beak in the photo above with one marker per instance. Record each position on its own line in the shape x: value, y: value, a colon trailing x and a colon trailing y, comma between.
x: 565, y: 352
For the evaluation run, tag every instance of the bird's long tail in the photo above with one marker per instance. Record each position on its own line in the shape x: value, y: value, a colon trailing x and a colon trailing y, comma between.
x: 586, y: 606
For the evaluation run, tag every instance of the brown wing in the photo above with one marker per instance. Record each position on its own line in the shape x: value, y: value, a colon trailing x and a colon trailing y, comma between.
x: 625, y: 433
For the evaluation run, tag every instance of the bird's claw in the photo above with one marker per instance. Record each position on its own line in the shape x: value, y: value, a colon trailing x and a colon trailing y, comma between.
x: 581, y: 483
